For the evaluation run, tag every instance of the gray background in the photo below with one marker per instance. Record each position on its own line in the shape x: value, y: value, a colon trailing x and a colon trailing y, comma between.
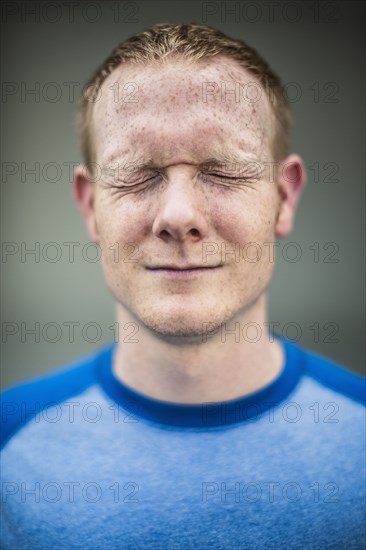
x: 310, y: 44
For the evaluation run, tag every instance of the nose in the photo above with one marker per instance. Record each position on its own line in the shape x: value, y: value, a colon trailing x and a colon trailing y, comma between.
x: 180, y: 214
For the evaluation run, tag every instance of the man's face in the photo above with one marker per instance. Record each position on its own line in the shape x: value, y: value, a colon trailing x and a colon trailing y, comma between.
x: 184, y: 208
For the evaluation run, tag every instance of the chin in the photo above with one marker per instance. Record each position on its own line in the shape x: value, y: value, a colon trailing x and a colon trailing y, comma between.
x: 185, y: 319
x: 184, y: 324
x: 177, y: 332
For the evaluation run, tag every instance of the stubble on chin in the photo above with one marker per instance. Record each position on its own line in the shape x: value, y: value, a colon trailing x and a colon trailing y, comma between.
x: 186, y: 329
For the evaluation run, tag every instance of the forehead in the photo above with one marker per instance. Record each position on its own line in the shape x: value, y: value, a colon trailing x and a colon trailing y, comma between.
x: 174, y: 108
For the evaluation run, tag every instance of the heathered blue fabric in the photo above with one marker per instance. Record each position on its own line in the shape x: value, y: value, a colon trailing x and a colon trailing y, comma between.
x: 97, y: 465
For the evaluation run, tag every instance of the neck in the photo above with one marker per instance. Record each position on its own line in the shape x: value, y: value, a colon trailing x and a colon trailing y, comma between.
x: 238, y: 359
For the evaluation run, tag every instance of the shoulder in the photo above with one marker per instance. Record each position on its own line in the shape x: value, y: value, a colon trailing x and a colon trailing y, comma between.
x: 329, y: 373
x: 23, y: 401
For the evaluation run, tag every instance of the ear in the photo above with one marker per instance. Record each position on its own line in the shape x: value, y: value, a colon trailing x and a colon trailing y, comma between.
x: 291, y: 178
x: 84, y: 194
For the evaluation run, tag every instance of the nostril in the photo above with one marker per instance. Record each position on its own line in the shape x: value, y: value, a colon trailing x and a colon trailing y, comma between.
x: 195, y: 232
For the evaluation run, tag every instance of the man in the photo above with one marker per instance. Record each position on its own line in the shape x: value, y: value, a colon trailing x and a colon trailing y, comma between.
x: 200, y: 428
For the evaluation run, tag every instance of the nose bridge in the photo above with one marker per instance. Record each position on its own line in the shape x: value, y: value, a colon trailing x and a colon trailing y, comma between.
x: 179, y: 209
x: 180, y: 184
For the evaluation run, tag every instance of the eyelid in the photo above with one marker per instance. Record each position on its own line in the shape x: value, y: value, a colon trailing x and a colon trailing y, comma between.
x: 220, y: 175
x: 139, y: 182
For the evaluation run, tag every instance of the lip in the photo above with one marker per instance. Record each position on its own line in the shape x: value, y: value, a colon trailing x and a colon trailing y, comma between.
x: 184, y: 273
x: 184, y: 267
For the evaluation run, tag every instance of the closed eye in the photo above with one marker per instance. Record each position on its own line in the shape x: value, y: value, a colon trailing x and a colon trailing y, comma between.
x: 222, y: 177
x: 121, y: 184
x: 251, y: 177
x: 145, y: 180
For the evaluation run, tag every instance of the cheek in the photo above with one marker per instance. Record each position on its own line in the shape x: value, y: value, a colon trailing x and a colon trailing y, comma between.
x: 245, y: 218
x: 121, y: 227
x: 121, y: 219
x: 247, y: 215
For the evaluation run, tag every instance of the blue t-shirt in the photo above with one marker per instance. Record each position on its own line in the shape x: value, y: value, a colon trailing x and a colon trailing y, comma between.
x: 89, y: 463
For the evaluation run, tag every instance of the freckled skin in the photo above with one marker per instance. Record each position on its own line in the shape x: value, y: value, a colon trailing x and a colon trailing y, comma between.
x: 172, y: 124
x: 175, y: 210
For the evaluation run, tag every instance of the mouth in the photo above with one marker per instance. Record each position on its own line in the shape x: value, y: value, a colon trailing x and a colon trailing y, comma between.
x: 174, y: 272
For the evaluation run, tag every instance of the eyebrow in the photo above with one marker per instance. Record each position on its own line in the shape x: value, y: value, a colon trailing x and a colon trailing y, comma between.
x: 218, y: 158
x: 224, y: 157
x: 127, y: 166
